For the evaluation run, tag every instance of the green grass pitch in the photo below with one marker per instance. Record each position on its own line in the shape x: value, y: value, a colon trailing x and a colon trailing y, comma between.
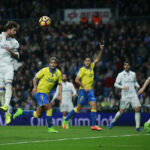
x: 76, y: 138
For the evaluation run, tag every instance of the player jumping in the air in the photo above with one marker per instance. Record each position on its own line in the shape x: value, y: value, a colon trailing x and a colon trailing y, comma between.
x: 85, y: 80
x: 8, y: 51
x: 146, y: 124
x: 68, y: 91
x: 126, y: 81
x: 48, y: 78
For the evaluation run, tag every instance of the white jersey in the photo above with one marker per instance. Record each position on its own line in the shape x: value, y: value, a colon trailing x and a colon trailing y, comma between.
x: 5, y: 56
x: 67, y: 91
x: 127, y: 79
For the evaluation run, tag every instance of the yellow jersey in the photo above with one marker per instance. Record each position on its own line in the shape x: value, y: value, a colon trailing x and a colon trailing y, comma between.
x: 87, y: 76
x: 48, y: 79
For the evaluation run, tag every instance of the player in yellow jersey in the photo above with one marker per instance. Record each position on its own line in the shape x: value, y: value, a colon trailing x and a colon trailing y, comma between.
x: 85, y: 80
x: 48, y: 78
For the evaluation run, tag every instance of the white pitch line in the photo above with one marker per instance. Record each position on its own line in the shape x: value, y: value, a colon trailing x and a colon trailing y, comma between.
x: 67, y: 139
x: 127, y: 145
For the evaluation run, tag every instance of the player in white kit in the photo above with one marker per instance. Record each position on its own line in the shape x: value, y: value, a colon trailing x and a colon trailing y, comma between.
x: 8, y: 51
x: 126, y: 81
x: 147, y: 123
x: 68, y: 91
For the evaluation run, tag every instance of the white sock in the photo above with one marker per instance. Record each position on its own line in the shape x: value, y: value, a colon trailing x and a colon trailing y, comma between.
x: 117, y: 116
x: 64, y: 117
x: 2, y: 97
x: 8, y: 94
x: 148, y: 121
x: 137, y: 119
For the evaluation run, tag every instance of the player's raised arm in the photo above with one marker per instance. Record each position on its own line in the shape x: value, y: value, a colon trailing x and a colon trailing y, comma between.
x: 98, y: 58
x: 144, y: 86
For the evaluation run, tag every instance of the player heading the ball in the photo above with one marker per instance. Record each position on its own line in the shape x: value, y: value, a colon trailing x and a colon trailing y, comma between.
x: 8, y: 52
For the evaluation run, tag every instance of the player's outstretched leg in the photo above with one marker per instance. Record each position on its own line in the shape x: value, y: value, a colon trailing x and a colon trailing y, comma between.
x: 69, y: 116
x: 2, y: 100
x: 117, y: 116
x: 7, y: 117
x: 137, y: 119
x: 20, y: 112
x: 8, y: 94
x: 49, y: 121
x: 93, y: 115
x: 63, y: 122
x: 147, y: 126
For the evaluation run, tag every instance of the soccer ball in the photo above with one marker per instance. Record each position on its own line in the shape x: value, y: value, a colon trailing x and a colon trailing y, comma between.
x: 44, y: 21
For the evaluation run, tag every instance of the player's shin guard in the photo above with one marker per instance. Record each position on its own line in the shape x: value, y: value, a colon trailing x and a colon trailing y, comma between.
x: 117, y: 116
x: 2, y: 96
x: 137, y: 119
x: 8, y: 94
x: 29, y: 113
x: 93, y: 117
x: 49, y: 117
x: 71, y: 114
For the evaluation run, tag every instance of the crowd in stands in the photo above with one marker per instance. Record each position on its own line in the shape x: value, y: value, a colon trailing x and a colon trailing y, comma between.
x: 36, y: 8
x: 70, y: 43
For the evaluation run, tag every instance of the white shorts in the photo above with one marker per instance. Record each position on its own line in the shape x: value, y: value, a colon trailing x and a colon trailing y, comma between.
x: 6, y: 75
x: 125, y: 102
x: 66, y: 107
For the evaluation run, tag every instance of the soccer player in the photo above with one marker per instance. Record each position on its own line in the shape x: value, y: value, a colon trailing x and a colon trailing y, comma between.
x: 84, y: 79
x: 68, y: 91
x: 147, y: 123
x: 8, y: 51
x: 48, y: 77
x: 126, y: 81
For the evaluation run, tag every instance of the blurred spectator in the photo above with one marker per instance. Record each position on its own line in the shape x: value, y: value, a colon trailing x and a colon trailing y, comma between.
x: 84, y: 21
x: 97, y: 20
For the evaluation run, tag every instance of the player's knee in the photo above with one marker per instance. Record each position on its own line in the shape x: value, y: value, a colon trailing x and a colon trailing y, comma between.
x: 36, y: 114
x: 121, y: 111
x: 93, y: 106
x: 2, y: 87
x: 8, y: 86
x: 137, y: 109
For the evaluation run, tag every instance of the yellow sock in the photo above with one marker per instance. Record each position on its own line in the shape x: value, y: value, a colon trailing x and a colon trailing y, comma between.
x: 76, y: 110
x: 35, y: 114
x: 49, y: 112
x: 93, y: 110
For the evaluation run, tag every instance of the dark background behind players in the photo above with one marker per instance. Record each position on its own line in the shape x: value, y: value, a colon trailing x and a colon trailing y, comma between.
x: 126, y: 38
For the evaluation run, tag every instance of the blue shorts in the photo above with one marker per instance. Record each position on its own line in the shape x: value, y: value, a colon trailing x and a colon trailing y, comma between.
x: 41, y: 98
x: 84, y: 97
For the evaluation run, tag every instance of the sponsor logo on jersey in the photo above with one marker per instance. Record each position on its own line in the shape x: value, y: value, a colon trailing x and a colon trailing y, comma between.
x: 50, y: 80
